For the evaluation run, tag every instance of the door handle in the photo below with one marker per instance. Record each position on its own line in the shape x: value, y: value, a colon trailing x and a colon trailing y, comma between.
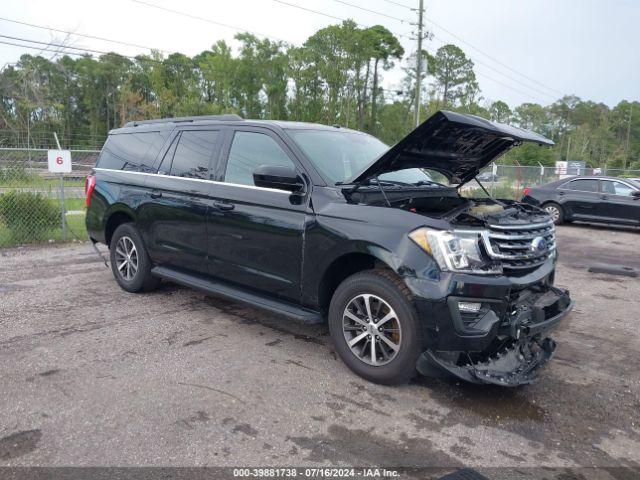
x: 155, y: 194
x: 224, y: 206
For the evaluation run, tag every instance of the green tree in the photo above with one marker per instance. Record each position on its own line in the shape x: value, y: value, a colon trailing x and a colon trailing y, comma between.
x: 499, y: 111
x: 383, y: 46
x: 454, y: 77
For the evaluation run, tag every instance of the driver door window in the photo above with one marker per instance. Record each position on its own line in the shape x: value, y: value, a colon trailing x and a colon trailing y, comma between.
x: 249, y: 151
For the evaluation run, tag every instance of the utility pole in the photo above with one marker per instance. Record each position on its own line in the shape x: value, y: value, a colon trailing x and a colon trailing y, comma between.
x: 628, y: 133
x: 419, y: 62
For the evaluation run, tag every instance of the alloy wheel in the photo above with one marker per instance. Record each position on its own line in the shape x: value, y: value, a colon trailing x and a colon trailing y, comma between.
x: 126, y: 258
x: 553, y: 212
x: 371, y: 329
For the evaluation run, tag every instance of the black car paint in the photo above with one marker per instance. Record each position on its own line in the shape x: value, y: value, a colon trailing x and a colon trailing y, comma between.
x: 588, y: 206
x: 292, y: 246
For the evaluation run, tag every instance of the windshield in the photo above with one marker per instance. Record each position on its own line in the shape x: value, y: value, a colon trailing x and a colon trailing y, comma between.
x: 338, y: 155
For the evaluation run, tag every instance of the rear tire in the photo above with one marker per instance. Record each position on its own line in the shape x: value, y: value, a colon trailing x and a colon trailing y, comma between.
x: 390, y: 324
x: 130, y: 262
x: 555, y: 211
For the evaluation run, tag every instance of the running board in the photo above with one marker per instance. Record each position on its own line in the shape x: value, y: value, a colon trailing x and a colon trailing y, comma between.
x: 220, y: 289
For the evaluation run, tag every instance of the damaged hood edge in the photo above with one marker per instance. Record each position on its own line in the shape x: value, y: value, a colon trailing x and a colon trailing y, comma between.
x: 455, y: 144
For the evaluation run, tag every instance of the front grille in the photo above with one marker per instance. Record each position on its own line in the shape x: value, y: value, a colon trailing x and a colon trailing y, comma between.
x: 521, y: 247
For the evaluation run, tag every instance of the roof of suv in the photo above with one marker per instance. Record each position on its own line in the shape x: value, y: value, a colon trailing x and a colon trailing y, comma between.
x: 132, y: 126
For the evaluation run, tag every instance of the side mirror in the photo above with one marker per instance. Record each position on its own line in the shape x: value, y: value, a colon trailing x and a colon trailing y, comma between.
x: 277, y: 176
x: 636, y: 194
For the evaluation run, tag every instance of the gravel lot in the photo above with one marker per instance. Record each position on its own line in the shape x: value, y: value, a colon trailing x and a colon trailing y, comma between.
x: 92, y: 375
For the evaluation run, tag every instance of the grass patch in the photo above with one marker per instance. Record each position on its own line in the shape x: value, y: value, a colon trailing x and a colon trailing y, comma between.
x: 73, y: 204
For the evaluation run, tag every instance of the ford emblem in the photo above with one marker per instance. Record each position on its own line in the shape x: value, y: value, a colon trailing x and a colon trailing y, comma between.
x: 538, y: 244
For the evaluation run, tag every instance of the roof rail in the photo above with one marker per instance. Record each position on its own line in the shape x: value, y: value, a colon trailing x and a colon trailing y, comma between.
x: 224, y: 117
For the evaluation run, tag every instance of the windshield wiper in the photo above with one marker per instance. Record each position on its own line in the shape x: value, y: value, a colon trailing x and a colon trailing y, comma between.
x: 427, y: 182
x: 372, y: 181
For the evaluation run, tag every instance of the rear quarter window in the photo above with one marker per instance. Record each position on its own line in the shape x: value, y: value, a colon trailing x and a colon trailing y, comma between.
x: 131, y: 151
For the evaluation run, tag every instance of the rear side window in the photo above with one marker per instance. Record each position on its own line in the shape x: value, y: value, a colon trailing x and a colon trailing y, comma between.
x: 250, y: 150
x: 582, y: 185
x: 131, y: 151
x: 192, y: 157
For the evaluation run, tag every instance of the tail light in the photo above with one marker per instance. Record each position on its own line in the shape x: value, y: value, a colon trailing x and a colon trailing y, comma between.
x: 526, y: 191
x: 89, y: 186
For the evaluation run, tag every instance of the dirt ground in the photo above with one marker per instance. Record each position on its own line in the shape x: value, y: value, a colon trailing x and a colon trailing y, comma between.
x: 91, y: 375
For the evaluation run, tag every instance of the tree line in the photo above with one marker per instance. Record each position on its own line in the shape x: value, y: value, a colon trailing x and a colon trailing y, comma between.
x: 335, y: 77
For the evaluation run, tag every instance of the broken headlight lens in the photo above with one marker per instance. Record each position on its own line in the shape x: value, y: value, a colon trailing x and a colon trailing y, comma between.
x: 455, y: 250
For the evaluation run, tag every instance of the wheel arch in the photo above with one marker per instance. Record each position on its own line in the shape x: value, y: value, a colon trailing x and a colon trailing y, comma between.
x: 117, y: 216
x: 346, y: 264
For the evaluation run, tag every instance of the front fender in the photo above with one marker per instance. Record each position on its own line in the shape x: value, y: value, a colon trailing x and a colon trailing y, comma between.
x: 325, y: 247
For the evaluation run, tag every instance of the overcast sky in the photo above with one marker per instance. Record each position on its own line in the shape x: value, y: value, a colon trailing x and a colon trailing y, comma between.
x: 535, y: 50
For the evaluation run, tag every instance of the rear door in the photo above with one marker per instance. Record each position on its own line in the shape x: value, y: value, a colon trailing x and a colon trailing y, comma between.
x: 174, y: 216
x: 618, y: 203
x: 256, y: 234
x: 580, y: 198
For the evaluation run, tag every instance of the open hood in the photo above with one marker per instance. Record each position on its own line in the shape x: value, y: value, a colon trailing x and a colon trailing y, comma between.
x: 454, y: 144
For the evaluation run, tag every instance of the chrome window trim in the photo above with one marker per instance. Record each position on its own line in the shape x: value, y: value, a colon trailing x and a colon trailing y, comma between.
x: 215, y: 182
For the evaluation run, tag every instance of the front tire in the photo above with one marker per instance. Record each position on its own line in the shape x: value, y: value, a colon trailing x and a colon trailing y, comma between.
x: 130, y: 262
x: 555, y: 211
x: 375, y: 328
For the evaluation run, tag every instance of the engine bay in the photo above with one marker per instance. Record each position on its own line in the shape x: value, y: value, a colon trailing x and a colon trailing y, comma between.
x: 446, y: 203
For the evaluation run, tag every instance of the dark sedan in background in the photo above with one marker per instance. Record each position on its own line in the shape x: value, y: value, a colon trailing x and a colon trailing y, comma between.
x: 589, y: 199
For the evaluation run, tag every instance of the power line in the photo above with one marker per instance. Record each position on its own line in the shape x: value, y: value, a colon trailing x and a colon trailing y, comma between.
x: 324, y: 14
x: 494, y: 69
x: 39, y: 48
x: 372, y: 11
x: 86, y: 50
x: 457, y: 37
x: 208, y: 20
x: 101, y: 52
x: 493, y: 58
x: 81, y: 34
x: 399, y: 4
x: 481, y: 74
x: 66, y: 48
x: 328, y: 15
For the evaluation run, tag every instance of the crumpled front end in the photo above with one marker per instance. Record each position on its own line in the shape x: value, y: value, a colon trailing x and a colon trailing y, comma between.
x: 506, y: 343
x: 517, y: 364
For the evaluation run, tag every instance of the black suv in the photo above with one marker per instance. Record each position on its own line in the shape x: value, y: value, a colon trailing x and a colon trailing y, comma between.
x: 317, y: 222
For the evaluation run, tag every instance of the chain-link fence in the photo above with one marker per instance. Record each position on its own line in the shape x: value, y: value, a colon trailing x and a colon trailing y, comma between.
x: 39, y: 206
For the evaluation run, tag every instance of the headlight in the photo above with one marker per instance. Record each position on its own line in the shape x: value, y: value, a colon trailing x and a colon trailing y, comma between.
x: 455, y: 250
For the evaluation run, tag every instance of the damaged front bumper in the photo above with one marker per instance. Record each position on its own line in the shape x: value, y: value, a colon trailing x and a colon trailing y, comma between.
x: 516, y: 365
x: 505, y: 342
